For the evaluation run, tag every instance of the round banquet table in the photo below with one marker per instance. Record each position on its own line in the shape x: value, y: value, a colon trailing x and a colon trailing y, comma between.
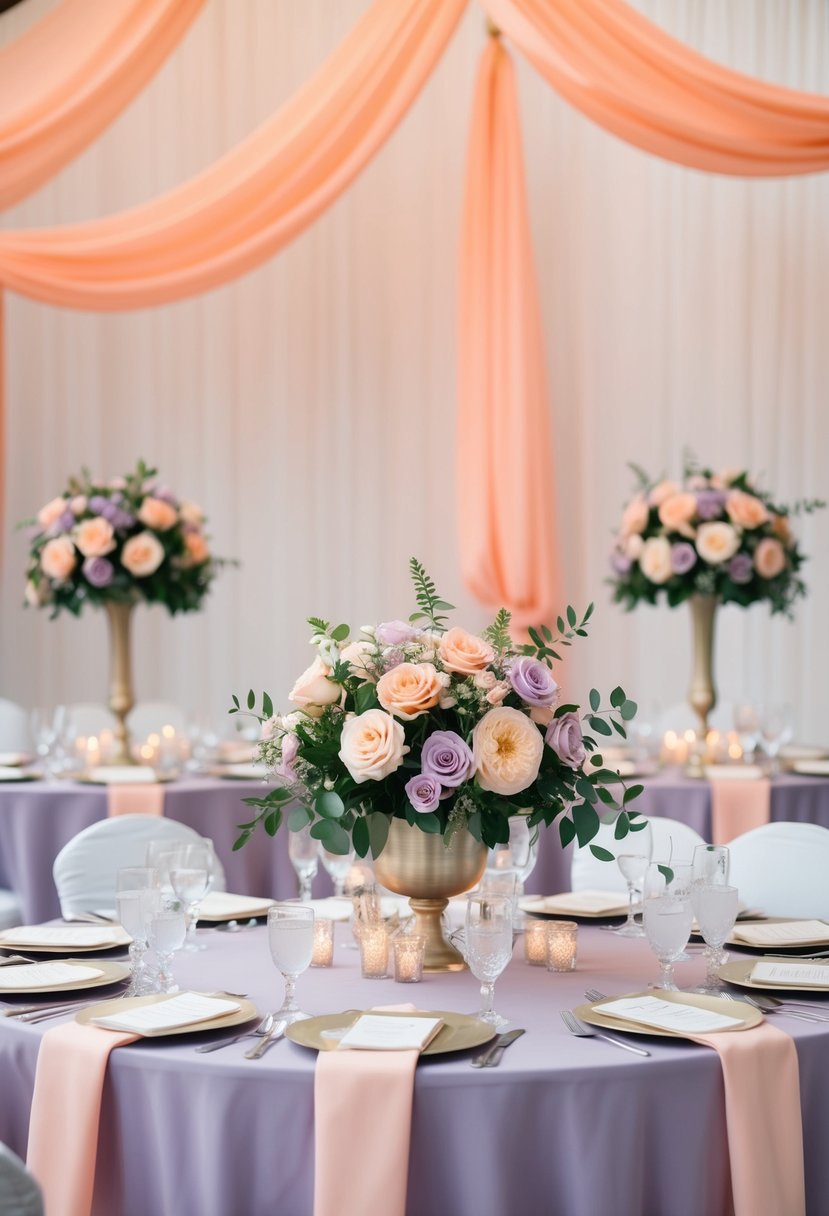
x: 574, y: 1127
x: 674, y: 796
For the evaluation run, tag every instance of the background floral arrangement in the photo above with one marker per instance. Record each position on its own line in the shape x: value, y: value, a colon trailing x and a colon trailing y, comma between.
x: 128, y: 540
x: 440, y: 727
x: 713, y: 534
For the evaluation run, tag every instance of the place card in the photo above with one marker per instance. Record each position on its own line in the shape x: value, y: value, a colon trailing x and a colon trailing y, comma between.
x: 786, y: 933
x: 796, y: 975
x: 186, y: 1009
x: 373, y: 1032
x: 127, y: 774
x: 76, y: 937
x: 44, y: 975
x: 667, y: 1015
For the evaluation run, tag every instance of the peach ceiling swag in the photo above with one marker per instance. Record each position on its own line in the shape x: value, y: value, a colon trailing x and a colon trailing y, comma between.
x: 65, y: 80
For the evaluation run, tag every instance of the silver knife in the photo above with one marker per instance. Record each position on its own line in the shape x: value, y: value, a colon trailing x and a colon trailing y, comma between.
x: 276, y: 1032
x: 490, y: 1057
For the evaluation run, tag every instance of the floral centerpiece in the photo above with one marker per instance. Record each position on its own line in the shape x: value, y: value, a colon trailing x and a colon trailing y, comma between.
x: 117, y: 544
x: 414, y: 727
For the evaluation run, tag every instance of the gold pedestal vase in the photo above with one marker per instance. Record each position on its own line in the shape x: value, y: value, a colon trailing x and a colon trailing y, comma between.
x: 121, y: 699
x: 702, y: 694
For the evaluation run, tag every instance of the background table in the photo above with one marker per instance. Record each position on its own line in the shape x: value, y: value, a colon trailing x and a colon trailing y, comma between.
x: 570, y: 1126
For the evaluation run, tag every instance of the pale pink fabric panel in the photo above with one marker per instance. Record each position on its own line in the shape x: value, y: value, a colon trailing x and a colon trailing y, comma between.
x: 737, y: 807
x: 137, y: 799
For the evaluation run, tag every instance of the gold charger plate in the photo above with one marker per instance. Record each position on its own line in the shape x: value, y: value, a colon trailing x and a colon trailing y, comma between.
x: 776, y: 947
x: 237, y: 772
x: 18, y: 775
x: 732, y: 1009
x: 112, y: 973
x: 739, y: 973
x: 255, y: 908
x: 247, y: 1012
x: 16, y: 947
x: 459, y: 1032
x: 85, y: 778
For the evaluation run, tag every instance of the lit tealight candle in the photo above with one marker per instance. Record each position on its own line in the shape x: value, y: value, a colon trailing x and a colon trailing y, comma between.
x: 535, y: 943
x: 323, y: 955
x: 374, y: 951
x: 562, y: 939
x: 408, y: 959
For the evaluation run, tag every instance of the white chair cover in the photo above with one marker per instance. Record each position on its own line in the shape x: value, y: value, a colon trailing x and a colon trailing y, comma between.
x: 149, y: 717
x: 670, y: 839
x: 19, y: 1193
x: 10, y: 915
x: 783, y: 868
x: 90, y: 719
x: 14, y: 728
x: 85, y: 869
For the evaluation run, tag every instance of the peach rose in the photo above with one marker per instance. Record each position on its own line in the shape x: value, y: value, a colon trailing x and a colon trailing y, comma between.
x: 676, y: 513
x: 51, y: 513
x: 157, y: 514
x: 717, y: 543
x: 142, y: 555
x: 661, y: 491
x: 655, y: 559
x: 464, y: 652
x: 78, y: 504
x: 633, y: 547
x: 191, y: 513
x: 723, y: 479
x: 360, y: 657
x: 769, y: 558
x: 37, y: 594
x: 313, y: 689
x: 745, y: 510
x: 497, y: 694
x: 372, y: 745
x: 95, y: 537
x: 635, y: 516
x: 409, y: 690
x: 507, y: 748
x: 782, y: 529
x: 58, y: 559
x: 196, y: 546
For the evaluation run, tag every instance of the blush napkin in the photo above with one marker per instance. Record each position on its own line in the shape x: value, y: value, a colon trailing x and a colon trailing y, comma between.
x: 380, y: 1086
x: 737, y: 807
x: 66, y: 1111
x: 135, y: 799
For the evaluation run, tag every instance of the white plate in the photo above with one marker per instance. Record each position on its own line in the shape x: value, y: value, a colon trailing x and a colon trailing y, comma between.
x: 799, y: 751
x: 811, y: 768
x: 238, y: 772
x: 18, y: 774
x: 15, y: 759
x: 631, y: 768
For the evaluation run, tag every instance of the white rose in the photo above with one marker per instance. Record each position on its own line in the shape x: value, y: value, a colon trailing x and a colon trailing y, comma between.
x: 633, y: 547
x: 655, y: 559
x: 313, y: 689
x: 717, y: 543
x: 372, y: 745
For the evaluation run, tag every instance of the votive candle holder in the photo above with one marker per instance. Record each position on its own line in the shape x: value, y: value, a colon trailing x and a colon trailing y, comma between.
x: 323, y: 955
x: 562, y: 945
x: 535, y: 943
x: 409, y: 952
x: 374, y: 952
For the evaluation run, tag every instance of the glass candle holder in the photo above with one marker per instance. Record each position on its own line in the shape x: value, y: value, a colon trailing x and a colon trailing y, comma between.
x: 408, y: 959
x: 374, y: 952
x: 535, y: 943
x: 323, y: 955
x: 562, y: 942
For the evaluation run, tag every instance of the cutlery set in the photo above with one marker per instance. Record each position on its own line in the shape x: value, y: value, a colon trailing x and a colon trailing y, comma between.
x: 490, y: 1055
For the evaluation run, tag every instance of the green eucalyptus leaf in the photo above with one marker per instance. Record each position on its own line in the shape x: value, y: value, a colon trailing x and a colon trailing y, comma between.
x: 360, y: 837
x: 272, y: 822
x: 334, y: 838
x: 601, y: 854
x: 595, y: 699
x: 251, y: 699
x: 267, y: 705
x: 566, y: 831
x: 298, y: 818
x: 329, y: 805
x: 378, y: 831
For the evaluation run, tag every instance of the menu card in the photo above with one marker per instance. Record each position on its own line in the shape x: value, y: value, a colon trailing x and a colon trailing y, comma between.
x: 44, y: 975
x: 75, y: 937
x: 787, y: 933
x: 373, y: 1032
x: 813, y: 975
x: 592, y: 902
x: 218, y: 904
x: 667, y: 1015
x: 183, y: 1010
x: 130, y: 774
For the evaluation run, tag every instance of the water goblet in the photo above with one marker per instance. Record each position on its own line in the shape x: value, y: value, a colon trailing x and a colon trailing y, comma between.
x: 716, y: 912
x: 337, y: 866
x: 291, y: 940
x: 134, y: 909
x: 304, y: 854
x: 668, y: 919
x: 710, y: 865
x: 190, y: 883
x: 633, y: 861
x: 747, y: 726
x: 166, y: 932
x: 776, y: 729
x: 675, y: 878
x: 488, y: 946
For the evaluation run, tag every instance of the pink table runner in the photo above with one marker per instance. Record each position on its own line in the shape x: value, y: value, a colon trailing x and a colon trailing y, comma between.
x: 139, y: 799
x: 737, y: 807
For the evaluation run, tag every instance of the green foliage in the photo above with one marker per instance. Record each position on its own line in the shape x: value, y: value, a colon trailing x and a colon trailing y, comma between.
x: 431, y: 605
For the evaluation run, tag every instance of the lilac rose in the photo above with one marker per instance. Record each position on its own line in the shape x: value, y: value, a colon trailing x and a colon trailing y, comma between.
x: 285, y: 768
x: 447, y: 758
x: 710, y: 504
x: 533, y: 681
x: 683, y: 557
x: 620, y: 562
x: 740, y: 568
x: 65, y: 522
x: 99, y: 505
x: 565, y: 738
x: 98, y: 571
x: 394, y: 633
x: 423, y: 793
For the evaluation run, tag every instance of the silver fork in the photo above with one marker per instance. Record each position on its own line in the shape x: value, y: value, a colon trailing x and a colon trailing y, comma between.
x: 755, y: 1004
x: 263, y: 1028
x: 579, y: 1028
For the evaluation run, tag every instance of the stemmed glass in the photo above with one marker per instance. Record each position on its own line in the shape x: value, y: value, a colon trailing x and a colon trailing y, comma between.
x: 776, y: 728
x: 191, y: 877
x: 303, y: 851
x: 291, y: 939
x: 488, y: 947
x: 716, y: 912
x: 633, y: 862
x: 518, y: 856
x: 747, y: 726
x: 679, y: 881
x: 710, y: 865
x: 166, y: 931
x: 668, y: 919
x: 338, y: 867
x: 137, y: 898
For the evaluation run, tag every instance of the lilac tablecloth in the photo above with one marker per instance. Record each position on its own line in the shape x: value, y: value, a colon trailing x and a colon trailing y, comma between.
x: 571, y: 1127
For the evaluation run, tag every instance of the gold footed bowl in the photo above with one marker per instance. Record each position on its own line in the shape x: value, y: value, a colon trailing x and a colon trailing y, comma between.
x: 419, y: 865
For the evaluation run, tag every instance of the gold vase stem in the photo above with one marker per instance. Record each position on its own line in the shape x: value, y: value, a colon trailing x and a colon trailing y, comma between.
x: 702, y: 694
x: 121, y: 698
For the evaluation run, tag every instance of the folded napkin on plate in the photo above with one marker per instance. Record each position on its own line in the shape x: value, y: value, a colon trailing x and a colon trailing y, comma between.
x: 66, y: 1110
x: 782, y: 933
x: 139, y: 799
x: 380, y: 1083
x: 737, y: 807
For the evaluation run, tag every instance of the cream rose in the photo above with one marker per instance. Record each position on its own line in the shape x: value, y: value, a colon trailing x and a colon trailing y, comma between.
x: 464, y: 652
x: 157, y: 514
x: 745, y: 510
x: 95, y: 537
x: 769, y: 558
x: 313, y: 689
x: 717, y: 543
x: 655, y: 559
x: 409, y: 690
x: 372, y: 745
x: 507, y: 748
x: 36, y: 594
x: 661, y: 491
x: 360, y: 656
x: 191, y: 513
x: 633, y: 547
x: 58, y: 559
x: 142, y: 555
x: 723, y: 479
x: 51, y: 513
x: 635, y: 517
x: 78, y: 504
x: 196, y: 546
x: 676, y: 513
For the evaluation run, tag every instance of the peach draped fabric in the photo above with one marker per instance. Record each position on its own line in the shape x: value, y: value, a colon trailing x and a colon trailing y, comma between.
x: 505, y: 466
x: 737, y: 807
x: 249, y: 204
x: 139, y: 799
x: 641, y: 84
x: 65, y: 80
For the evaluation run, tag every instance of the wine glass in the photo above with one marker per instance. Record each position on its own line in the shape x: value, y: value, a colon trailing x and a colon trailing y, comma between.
x: 668, y: 919
x: 488, y: 946
x: 675, y: 878
x: 633, y: 861
x: 747, y: 726
x: 45, y: 727
x: 135, y: 904
x: 716, y: 912
x: 304, y: 854
x: 190, y: 883
x: 776, y: 729
x: 710, y: 865
x: 519, y: 856
x: 167, y: 928
x: 291, y: 939
x: 338, y: 866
